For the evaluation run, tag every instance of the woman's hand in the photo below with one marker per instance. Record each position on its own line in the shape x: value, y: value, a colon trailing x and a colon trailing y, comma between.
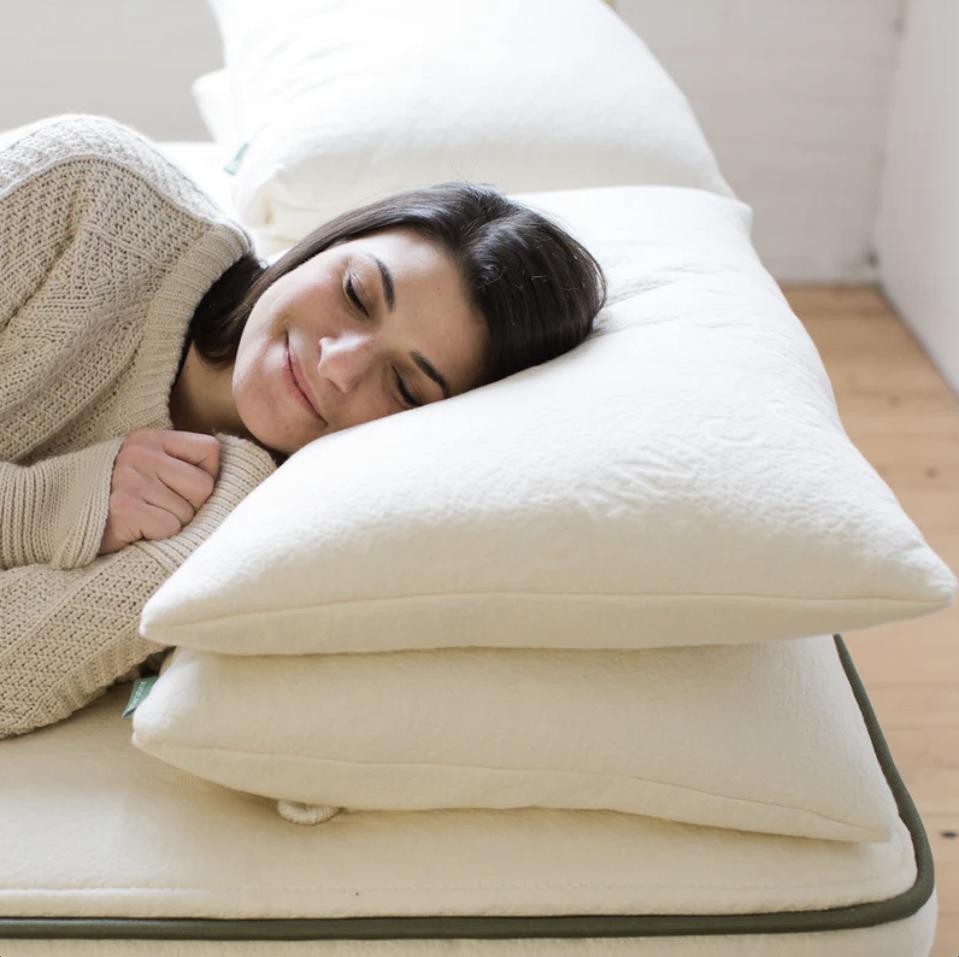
x: 160, y: 479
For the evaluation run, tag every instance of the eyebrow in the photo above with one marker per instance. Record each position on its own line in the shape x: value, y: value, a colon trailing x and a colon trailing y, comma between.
x: 389, y: 294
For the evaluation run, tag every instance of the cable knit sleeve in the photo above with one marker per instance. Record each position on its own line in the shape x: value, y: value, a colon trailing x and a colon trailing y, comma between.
x: 64, y: 180
x: 55, y: 511
x: 66, y: 635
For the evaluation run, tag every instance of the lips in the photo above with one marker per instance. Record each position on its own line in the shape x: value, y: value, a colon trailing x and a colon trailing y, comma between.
x: 300, y: 381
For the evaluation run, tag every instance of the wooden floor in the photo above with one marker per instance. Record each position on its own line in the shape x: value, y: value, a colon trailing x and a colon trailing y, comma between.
x: 901, y: 415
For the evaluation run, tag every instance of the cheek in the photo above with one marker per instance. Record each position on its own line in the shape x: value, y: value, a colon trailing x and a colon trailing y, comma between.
x: 252, y: 381
x: 265, y: 312
x: 264, y: 329
x: 247, y: 353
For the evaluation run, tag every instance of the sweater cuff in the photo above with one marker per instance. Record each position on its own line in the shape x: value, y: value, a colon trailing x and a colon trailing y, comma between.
x: 79, y: 531
x: 243, y: 466
x: 55, y: 511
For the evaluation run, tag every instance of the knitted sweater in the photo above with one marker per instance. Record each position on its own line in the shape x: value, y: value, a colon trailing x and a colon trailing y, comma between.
x: 106, y: 248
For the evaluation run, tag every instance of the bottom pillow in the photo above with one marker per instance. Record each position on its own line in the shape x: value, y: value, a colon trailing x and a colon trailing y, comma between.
x: 764, y: 736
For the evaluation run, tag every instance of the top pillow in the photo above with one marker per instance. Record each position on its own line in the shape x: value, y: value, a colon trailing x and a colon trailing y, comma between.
x: 338, y: 104
x: 682, y: 477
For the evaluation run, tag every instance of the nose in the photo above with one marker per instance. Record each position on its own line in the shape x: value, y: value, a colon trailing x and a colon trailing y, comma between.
x: 345, y: 359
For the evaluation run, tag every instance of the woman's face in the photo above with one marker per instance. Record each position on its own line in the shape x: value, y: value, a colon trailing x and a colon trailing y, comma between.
x: 355, y: 366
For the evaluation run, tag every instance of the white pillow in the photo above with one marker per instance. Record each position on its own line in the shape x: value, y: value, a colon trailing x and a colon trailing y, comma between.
x: 681, y: 477
x: 213, y: 97
x: 761, y: 737
x: 343, y: 103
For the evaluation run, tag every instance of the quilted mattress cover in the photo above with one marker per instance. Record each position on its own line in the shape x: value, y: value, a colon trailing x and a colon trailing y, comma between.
x: 106, y: 850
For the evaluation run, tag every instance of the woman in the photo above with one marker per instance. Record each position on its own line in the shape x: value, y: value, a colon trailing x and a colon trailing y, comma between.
x: 153, y: 371
x: 402, y: 302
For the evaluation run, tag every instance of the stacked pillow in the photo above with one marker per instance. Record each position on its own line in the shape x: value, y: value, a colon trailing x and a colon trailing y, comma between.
x: 491, y: 601
x: 762, y: 737
x: 335, y: 104
x: 606, y: 582
x: 681, y: 477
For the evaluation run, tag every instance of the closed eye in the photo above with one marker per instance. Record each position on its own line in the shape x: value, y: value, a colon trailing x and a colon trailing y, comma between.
x: 410, y: 400
x: 351, y: 292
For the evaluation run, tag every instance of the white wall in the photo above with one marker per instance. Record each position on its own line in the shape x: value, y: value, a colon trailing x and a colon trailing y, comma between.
x: 133, y: 60
x: 917, y: 230
x: 793, y: 96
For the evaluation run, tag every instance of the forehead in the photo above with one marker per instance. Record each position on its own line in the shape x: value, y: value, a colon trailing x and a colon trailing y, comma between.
x: 408, y: 255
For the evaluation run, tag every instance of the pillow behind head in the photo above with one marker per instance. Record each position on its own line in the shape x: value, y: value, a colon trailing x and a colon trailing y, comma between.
x: 681, y: 477
x: 213, y: 98
x: 342, y: 103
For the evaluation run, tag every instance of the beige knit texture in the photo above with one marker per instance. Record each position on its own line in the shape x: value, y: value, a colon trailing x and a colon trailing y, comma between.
x: 106, y: 248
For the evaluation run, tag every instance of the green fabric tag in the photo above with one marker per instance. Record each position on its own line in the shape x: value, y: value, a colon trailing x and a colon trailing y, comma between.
x: 141, y: 688
x: 234, y: 163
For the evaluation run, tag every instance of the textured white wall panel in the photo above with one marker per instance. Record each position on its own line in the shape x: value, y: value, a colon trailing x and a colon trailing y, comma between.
x: 917, y: 234
x: 794, y: 97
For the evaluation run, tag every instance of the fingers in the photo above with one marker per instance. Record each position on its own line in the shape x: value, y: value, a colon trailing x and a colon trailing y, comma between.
x: 157, y: 495
x: 160, y: 479
x: 156, y: 522
x: 193, y: 447
x: 180, y: 486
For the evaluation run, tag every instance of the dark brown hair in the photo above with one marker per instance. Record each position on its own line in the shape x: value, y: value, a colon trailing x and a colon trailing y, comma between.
x: 537, y: 288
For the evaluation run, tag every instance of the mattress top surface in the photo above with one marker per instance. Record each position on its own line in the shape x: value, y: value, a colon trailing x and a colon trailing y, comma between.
x: 92, y: 827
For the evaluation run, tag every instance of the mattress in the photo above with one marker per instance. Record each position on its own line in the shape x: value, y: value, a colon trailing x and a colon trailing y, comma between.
x: 108, y: 851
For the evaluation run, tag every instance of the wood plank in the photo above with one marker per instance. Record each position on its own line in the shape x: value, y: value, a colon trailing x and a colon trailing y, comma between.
x: 947, y: 934
x: 928, y: 760
x: 915, y: 651
x: 823, y: 302
x: 914, y: 705
x: 943, y: 833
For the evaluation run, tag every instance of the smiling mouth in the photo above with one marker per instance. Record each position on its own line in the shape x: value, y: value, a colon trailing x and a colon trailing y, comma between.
x: 291, y: 365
